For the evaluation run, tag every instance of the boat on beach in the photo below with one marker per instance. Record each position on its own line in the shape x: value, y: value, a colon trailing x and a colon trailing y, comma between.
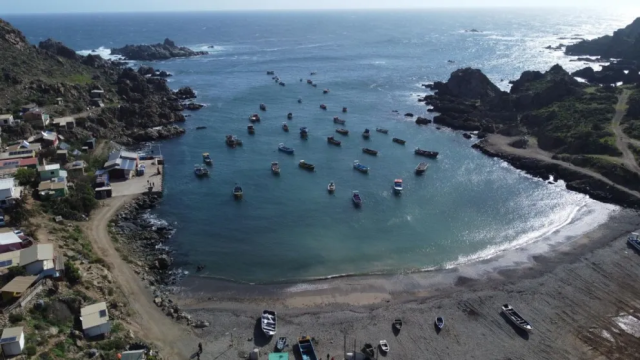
x: 426, y: 153
x: 384, y: 346
x: 337, y: 120
x: 368, y: 350
x: 285, y: 149
x: 251, y: 129
x: 305, y: 345
x: 634, y: 240
x: 381, y: 130
x: 269, y: 322
x: 360, y: 167
x: 304, y: 132
x: 281, y: 344
x: 398, y: 141
x: 207, y: 158
x: 275, y: 168
x: 439, y: 323
x: 397, y: 323
x: 237, y: 192
x: 355, y: 197
x: 366, y: 134
x: 254, y: 118
x: 333, y: 141
x: 421, y: 168
x: 397, y: 186
x: 201, y: 171
x: 305, y: 165
x: 323, y: 106
x: 331, y: 187
x: 370, y: 151
x: 342, y: 131
x: 263, y: 107
x: 290, y: 116
x: 516, y: 318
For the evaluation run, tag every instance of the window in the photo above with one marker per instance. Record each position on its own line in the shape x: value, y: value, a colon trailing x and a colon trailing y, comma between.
x: 102, y: 313
x: 53, y: 173
x: 6, y: 263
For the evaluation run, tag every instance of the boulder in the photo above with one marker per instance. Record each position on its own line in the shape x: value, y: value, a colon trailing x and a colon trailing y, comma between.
x: 468, y: 83
x: 146, y: 70
x: 466, y: 135
x: 586, y: 73
x: 58, y: 48
x: 422, y: 121
x: 167, y: 50
x: 163, y: 262
x: 185, y: 93
x: 193, y: 106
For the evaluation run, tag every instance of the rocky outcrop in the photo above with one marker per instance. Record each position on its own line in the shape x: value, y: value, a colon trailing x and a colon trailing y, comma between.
x: 193, y: 106
x: 167, y: 50
x: 423, y: 121
x: 58, y: 48
x: 468, y: 83
x: 623, y: 44
x: 185, y: 93
x: 165, y: 132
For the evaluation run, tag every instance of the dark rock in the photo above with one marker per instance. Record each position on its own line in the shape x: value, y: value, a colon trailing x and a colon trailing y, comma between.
x: 166, y: 50
x: 423, y: 121
x: 408, y: 115
x: 193, y: 106
x: 623, y: 44
x: 58, y: 48
x: 185, y: 93
x: 468, y: 83
x: 146, y: 70
x: 162, y: 74
x: 481, y: 135
x: 586, y: 73
x: 466, y: 135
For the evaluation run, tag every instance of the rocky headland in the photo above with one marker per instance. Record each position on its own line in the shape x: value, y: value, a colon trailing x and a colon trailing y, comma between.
x: 161, y: 51
x: 623, y: 44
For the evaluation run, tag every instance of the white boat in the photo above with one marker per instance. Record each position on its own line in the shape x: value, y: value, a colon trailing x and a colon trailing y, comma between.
x: 397, y: 186
x: 384, y: 346
x: 331, y: 187
x: 275, y: 168
x: 516, y: 318
x: 634, y: 240
x: 439, y: 322
x: 269, y: 322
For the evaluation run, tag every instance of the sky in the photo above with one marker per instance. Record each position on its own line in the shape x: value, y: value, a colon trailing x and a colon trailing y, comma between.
x: 91, y: 6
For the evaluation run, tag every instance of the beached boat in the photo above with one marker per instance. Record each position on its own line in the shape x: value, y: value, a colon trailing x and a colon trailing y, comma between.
x: 237, y: 192
x: 370, y: 151
x: 325, y: 91
x: 269, y: 322
x: 207, y: 158
x: 275, y: 168
x: 200, y: 171
x: 254, y: 118
x: 516, y: 318
x: 337, y: 120
x: 397, y: 323
x: 200, y: 127
x: 331, y: 187
x: 285, y: 149
x: 342, y: 131
x: 305, y: 345
x: 290, y: 116
x: 398, y: 141
x: 263, y: 107
x: 344, y: 109
x: 397, y: 186
x: 439, y: 322
x: 366, y: 134
x: 634, y: 240
x: 368, y: 350
x: 305, y: 165
x: 426, y: 153
x: 333, y: 141
x: 304, y: 132
x: 323, y: 106
x: 421, y: 168
x: 251, y: 129
x: 281, y: 344
x: 381, y: 130
x: 360, y: 167
x: 384, y: 346
x: 285, y: 127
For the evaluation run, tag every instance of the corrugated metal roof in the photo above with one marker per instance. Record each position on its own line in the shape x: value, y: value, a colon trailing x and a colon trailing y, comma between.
x: 19, y: 284
x: 7, y: 238
x: 36, y: 253
x: 132, y: 355
x: 94, y: 315
x: 12, y: 332
x: 49, y: 167
x: 128, y: 155
x: 112, y: 163
x: 128, y: 164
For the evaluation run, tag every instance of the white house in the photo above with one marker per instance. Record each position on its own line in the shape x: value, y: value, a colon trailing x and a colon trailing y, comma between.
x: 37, y: 258
x: 9, y: 192
x: 9, y: 241
x: 95, y: 320
x: 6, y: 120
x: 12, y: 341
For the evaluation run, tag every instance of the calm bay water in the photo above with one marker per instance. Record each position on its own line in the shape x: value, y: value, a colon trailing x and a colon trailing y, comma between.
x: 466, y: 207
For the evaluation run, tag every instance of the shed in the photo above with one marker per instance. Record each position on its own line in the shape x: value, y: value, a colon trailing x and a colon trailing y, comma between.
x: 6, y: 120
x: 97, y: 94
x: 133, y: 355
x: 50, y: 171
x: 121, y: 164
x: 90, y: 144
x: 62, y: 155
x: 37, y: 258
x: 66, y: 122
x: 104, y: 192
x: 17, y: 286
x: 12, y: 341
x: 9, y: 241
x: 95, y: 320
x: 76, y: 167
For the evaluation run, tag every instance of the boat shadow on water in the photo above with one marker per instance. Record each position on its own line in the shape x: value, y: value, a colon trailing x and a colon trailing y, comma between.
x: 523, y: 334
x: 259, y: 337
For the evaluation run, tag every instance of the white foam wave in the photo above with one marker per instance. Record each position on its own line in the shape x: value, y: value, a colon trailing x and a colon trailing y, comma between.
x: 104, y: 53
x: 306, y: 287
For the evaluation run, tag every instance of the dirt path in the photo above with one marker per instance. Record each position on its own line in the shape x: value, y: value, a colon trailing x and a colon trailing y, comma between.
x: 622, y: 140
x: 175, y: 341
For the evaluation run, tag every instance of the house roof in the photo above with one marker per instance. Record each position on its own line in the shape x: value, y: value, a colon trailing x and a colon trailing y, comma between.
x: 94, y: 315
x: 132, y: 355
x: 5, y: 116
x: 64, y: 120
x: 23, y: 146
x: 49, y: 167
x: 36, y: 253
x: 59, y: 261
x: 8, y: 259
x: 49, y: 135
x: 29, y: 161
x: 80, y: 164
x: 7, y: 183
x: 19, y: 284
x: 64, y: 146
x: 7, y: 238
x: 51, y: 185
x: 18, y: 154
x: 10, y: 335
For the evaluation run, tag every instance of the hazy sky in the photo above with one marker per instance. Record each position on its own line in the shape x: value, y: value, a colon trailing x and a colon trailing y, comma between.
x: 61, y: 6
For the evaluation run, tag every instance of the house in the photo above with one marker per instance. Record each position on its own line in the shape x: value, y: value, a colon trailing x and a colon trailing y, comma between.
x: 95, y: 320
x: 62, y: 155
x: 65, y: 122
x: 18, y: 154
x: 6, y: 120
x: 60, y: 101
x: 51, y: 171
x: 96, y: 94
x: 133, y: 355
x: 76, y: 167
x: 28, y: 107
x: 36, y: 118
x: 9, y: 192
x: 90, y: 144
x: 37, y: 259
x: 9, y: 241
x: 16, y: 287
x: 24, y: 145
x: 12, y: 341
x: 10, y: 259
x: 46, y: 138
x: 53, y: 189
x: 121, y: 164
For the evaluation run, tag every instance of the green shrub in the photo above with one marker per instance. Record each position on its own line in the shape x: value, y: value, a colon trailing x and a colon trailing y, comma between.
x: 15, y: 271
x: 113, y: 344
x: 26, y: 176
x: 31, y: 350
x: 72, y: 272
x: 79, y: 202
x: 16, y: 317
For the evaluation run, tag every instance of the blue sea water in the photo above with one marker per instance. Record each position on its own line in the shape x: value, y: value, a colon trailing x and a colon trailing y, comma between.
x: 466, y: 207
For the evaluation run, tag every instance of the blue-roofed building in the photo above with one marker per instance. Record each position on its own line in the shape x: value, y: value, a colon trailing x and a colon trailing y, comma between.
x: 121, y: 165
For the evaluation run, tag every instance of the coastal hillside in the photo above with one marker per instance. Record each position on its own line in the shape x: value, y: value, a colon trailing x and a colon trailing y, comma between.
x: 623, y: 44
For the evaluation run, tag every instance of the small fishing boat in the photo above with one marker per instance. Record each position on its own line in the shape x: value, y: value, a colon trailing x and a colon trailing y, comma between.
x: 269, y: 322
x: 200, y: 171
x: 439, y: 322
x: 305, y: 345
x: 384, y: 346
x: 207, y: 158
x: 237, y: 141
x: 263, y: 107
x: 634, y: 240
x: 281, y: 343
x: 237, y: 192
x: 342, y: 131
x: 305, y: 165
x: 314, y: 85
x: 230, y: 140
x: 426, y: 153
x: 271, y: 72
x: 368, y: 350
x: 398, y: 141
x: 285, y: 127
x: 397, y: 186
x: 344, y: 109
x: 299, y: 101
x: 289, y: 116
x: 309, y: 81
x: 275, y: 168
x: 285, y: 149
x: 254, y: 118
x: 304, y: 132
x: 366, y: 134
x: 381, y: 130
x: 325, y: 91
x: 323, y: 106
x: 421, y: 168
x: 200, y: 127
x: 281, y: 83
x: 333, y: 141
x: 397, y: 323
x: 251, y: 129
x: 370, y: 151
x: 360, y: 167
x: 331, y: 187
x: 312, y: 73
x: 337, y: 120
x: 513, y: 315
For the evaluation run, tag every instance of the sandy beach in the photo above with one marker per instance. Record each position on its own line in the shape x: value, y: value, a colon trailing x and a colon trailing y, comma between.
x: 571, y: 295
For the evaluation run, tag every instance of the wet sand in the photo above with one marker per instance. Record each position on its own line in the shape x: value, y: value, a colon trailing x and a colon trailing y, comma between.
x: 570, y: 295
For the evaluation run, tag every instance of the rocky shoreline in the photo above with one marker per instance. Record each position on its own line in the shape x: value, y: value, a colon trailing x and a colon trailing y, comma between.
x: 161, y: 51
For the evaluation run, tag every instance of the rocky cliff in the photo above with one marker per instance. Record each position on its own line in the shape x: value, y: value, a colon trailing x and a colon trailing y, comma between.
x: 623, y: 44
x: 167, y: 50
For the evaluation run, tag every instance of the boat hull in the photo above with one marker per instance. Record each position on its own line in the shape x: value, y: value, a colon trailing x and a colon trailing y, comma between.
x: 517, y: 319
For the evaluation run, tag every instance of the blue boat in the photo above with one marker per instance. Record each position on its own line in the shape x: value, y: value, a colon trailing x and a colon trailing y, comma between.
x: 357, y: 200
x: 360, y: 167
x: 634, y: 240
x: 285, y: 149
x: 306, y: 348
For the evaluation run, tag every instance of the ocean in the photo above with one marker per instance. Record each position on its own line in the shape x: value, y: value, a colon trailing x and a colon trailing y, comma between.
x: 467, y: 207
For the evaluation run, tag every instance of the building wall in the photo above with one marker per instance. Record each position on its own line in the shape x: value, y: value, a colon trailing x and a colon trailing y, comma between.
x: 49, y: 174
x: 37, y: 267
x: 5, y: 193
x: 117, y: 174
x: 98, y: 330
x: 14, y: 348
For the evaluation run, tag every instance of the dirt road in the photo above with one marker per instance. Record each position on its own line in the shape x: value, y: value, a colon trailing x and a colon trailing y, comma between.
x: 622, y: 140
x: 175, y: 341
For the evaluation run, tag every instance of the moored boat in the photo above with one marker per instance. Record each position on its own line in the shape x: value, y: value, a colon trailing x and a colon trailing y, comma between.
x: 331, y: 187
x: 285, y: 149
x: 323, y: 106
x: 305, y: 165
x: 290, y: 116
x: 285, y: 127
x: 309, y: 81
x: 421, y: 168
x: 634, y: 240
x: 342, y: 131
x: 360, y: 167
x: 230, y: 140
x: 237, y: 141
x: 200, y: 171
x: 281, y: 83
x: 384, y: 346
x: 271, y: 72
x: 237, y: 192
x: 398, y: 141
x: 333, y: 141
x: 312, y: 73
x: 304, y: 132
x: 397, y: 186
x: 269, y: 322
x: 344, y: 109
x: 516, y: 318
x: 337, y: 120
x: 355, y: 197
x: 263, y: 107
x: 281, y: 344
x: 275, y: 168
x: 251, y: 129
x: 366, y: 134
x: 381, y: 130
x: 299, y: 100
x: 306, y: 348
x: 439, y: 323
x: 325, y: 91
x: 200, y: 127
x: 426, y: 153
x: 207, y: 158
x: 370, y: 151
x: 254, y: 118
